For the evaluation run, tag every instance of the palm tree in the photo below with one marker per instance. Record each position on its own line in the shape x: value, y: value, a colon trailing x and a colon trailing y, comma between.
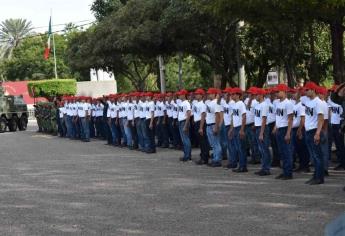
x: 12, y: 32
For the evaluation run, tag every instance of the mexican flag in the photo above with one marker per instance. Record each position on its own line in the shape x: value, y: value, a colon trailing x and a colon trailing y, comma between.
x: 47, y: 49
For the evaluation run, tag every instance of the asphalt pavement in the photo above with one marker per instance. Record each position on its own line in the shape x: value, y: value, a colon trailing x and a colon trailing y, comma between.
x: 55, y: 186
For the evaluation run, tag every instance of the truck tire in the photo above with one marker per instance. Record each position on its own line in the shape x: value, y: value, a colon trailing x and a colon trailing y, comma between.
x: 12, y: 124
x: 3, y: 125
x: 23, y: 123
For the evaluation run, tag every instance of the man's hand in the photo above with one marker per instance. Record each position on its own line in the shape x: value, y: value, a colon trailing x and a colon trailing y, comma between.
x: 317, y: 138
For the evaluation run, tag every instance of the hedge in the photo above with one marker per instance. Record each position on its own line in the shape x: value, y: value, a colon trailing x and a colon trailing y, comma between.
x: 52, y: 88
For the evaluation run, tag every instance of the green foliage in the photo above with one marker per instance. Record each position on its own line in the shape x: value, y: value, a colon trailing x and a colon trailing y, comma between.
x: 11, y: 33
x: 52, y: 88
x: 194, y: 75
x: 27, y: 62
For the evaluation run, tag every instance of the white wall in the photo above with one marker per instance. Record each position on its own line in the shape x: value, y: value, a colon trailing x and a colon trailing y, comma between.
x: 96, y: 89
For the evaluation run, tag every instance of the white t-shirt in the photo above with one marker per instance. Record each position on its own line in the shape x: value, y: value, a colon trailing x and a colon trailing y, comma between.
x: 299, y: 111
x: 99, y: 110
x: 130, y: 111
x: 283, y: 110
x: 336, y: 113
x: 250, y: 111
x: 183, y: 108
x: 142, y: 109
x: 312, y: 109
x: 227, y: 108
x: 175, y: 109
x: 304, y: 100
x: 136, y: 109
x: 82, y: 108
x: 61, y: 112
x: 149, y: 108
x: 75, y: 109
x: 161, y: 109
x: 260, y: 111
x: 325, y: 109
x: 198, y: 109
x: 238, y: 109
x: 271, y: 117
x: 212, y: 107
x: 169, y: 109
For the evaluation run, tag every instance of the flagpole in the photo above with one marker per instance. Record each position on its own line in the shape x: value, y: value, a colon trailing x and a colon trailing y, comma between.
x: 55, y: 67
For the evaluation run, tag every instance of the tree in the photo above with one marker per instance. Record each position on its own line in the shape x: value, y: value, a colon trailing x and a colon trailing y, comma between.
x: 290, y: 12
x: 12, y: 31
x: 27, y: 62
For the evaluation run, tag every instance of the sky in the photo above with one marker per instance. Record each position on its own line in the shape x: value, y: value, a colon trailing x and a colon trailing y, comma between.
x: 38, y: 12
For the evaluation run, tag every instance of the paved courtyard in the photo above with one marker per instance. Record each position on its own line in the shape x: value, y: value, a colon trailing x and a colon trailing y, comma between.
x: 54, y: 186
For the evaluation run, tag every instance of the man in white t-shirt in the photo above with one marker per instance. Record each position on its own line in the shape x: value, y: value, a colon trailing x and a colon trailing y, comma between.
x: 227, y: 119
x: 298, y: 134
x: 199, y: 116
x: 262, y: 135
x: 237, y: 132
x: 250, y: 103
x: 84, y: 116
x: 336, y: 112
x: 322, y: 94
x: 184, y: 113
x: 150, y: 145
x: 314, y: 119
x: 213, y: 123
x: 282, y: 129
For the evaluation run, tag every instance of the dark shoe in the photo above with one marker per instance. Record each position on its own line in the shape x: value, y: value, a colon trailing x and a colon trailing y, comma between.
x: 215, y: 164
x: 151, y: 151
x: 316, y: 182
x: 230, y: 166
x: 279, y: 176
x: 339, y: 167
x: 263, y: 173
x: 287, y: 177
x: 186, y: 159
x: 326, y: 173
x: 165, y: 146
x: 240, y: 170
x: 200, y: 162
x: 344, y: 189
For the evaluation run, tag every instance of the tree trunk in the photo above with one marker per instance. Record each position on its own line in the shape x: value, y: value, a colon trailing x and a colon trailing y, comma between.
x: 262, y: 75
x: 289, y: 74
x: 337, y: 33
x: 313, y: 70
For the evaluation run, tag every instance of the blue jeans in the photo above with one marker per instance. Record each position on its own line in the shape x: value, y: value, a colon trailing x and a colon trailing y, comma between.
x: 150, y: 141
x: 223, y: 139
x: 315, y: 154
x: 285, y: 151
x: 299, y: 147
x: 114, y: 131
x: 253, y: 144
x: 139, y: 133
x: 230, y: 146
x: 86, y: 128
x: 203, y: 142
x: 68, y: 121
x: 128, y: 132
x: 214, y: 141
x: 123, y: 133
x: 264, y: 148
x: 324, y: 149
x: 239, y: 149
x: 187, y: 146
x: 144, y: 133
x: 338, y: 139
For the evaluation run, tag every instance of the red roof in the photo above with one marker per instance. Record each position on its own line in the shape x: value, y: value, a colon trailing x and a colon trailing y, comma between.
x: 20, y: 88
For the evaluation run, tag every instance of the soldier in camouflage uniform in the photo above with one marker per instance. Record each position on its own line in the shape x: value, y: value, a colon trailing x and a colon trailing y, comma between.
x: 38, y: 115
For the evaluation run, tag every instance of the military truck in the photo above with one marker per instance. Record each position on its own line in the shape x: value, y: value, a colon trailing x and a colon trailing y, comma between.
x: 13, y: 112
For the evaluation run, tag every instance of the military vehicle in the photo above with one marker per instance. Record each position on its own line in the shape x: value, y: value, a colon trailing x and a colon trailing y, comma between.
x: 13, y: 112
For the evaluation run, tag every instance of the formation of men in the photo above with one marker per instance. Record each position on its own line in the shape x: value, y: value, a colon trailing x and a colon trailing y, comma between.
x: 299, y: 125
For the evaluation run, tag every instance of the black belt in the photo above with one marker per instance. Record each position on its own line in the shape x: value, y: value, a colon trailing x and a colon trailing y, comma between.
x: 210, y: 124
x: 181, y: 121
